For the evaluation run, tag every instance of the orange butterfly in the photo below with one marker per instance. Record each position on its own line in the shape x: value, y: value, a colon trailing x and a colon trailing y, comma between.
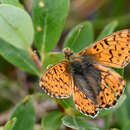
x: 86, y: 76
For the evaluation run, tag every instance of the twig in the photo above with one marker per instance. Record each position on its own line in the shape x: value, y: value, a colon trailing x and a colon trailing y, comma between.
x: 36, y: 60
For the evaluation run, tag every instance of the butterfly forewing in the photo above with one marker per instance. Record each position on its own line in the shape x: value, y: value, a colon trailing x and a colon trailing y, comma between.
x: 113, y: 50
x: 56, y: 81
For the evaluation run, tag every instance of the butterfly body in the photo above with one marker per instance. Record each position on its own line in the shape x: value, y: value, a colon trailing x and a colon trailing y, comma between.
x: 87, y: 76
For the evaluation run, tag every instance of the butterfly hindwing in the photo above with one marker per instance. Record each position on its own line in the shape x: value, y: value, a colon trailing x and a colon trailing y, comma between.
x: 112, y: 86
x: 82, y: 103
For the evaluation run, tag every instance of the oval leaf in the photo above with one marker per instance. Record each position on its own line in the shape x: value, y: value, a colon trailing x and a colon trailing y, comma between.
x: 25, y: 114
x: 121, y: 114
x: 12, y: 2
x: 52, y: 58
x: 66, y: 103
x: 77, y: 123
x: 15, y: 26
x: 18, y: 57
x: 48, y: 21
x: 9, y: 125
x: 80, y: 37
x: 108, y: 29
x: 52, y: 120
x: 127, y: 125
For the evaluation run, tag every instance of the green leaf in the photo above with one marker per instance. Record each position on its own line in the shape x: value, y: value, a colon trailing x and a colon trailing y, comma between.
x: 12, y: 2
x: 10, y: 124
x: 25, y: 114
x: 18, y: 57
x: 120, y: 71
x: 48, y: 17
x: 127, y: 125
x: 80, y: 37
x: 114, y: 129
x: 78, y: 123
x: 127, y: 103
x: 15, y: 26
x: 52, y: 58
x: 52, y: 120
x: 66, y: 103
x: 108, y: 30
x: 121, y: 114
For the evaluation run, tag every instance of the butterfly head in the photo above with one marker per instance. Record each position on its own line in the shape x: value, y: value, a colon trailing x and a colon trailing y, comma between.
x: 68, y: 53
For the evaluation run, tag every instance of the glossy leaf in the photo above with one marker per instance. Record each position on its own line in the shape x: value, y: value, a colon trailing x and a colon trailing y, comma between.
x: 108, y: 29
x: 78, y: 123
x: 9, y: 125
x: 51, y: 59
x: 126, y: 125
x: 66, y: 103
x: 48, y: 17
x: 121, y: 114
x: 52, y: 120
x: 80, y: 37
x: 15, y: 26
x: 25, y: 114
x: 12, y: 2
x: 18, y: 57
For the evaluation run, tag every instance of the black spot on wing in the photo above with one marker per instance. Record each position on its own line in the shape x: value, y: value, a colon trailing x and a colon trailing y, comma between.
x: 106, y: 42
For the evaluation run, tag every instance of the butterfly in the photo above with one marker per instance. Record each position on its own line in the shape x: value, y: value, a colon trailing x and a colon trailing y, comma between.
x: 86, y: 75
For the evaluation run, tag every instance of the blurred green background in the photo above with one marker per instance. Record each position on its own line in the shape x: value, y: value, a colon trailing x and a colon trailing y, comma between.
x: 15, y: 84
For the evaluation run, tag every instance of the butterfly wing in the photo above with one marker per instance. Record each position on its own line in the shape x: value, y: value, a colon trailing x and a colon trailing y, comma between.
x: 82, y: 103
x: 112, y: 86
x: 113, y: 50
x: 56, y: 81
